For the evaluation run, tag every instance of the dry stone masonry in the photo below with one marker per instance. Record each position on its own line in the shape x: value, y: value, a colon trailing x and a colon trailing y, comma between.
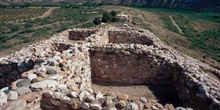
x: 57, y: 74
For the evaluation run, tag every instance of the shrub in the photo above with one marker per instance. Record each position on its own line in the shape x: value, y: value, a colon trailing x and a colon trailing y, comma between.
x: 3, y: 39
x: 13, y: 27
x: 106, y: 17
x: 97, y: 21
x: 113, y: 13
x: 28, y: 24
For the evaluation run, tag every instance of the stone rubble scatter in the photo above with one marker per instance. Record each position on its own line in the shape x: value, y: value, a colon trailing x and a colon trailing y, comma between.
x: 55, y: 74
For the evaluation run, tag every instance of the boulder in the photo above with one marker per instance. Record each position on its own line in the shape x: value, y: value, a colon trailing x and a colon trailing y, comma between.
x: 3, y: 98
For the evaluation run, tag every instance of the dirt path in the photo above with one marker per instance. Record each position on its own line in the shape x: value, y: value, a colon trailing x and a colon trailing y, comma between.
x: 174, y: 23
x: 46, y: 14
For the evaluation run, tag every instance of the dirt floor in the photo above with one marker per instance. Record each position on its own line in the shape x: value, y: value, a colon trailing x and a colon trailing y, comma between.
x: 163, y: 94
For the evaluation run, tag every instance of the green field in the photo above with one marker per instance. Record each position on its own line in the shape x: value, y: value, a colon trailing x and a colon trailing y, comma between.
x: 202, y: 29
x: 11, y: 14
x: 27, y: 30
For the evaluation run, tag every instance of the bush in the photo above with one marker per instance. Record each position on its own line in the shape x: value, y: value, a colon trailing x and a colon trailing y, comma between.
x: 97, y: 21
x: 106, y: 17
x: 13, y: 27
x: 28, y: 24
x: 3, y: 39
x: 109, y: 16
x: 113, y: 13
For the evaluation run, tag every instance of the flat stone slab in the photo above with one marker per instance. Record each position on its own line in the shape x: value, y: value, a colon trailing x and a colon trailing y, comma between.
x: 44, y: 84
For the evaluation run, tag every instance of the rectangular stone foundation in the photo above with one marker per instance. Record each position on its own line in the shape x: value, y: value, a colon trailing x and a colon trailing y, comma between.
x: 123, y: 68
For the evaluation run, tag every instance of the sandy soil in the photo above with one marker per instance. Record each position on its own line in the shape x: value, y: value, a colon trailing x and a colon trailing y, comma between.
x: 163, y: 94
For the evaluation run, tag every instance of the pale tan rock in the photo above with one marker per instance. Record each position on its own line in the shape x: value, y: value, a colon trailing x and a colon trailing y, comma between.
x: 122, y: 97
x: 30, y: 97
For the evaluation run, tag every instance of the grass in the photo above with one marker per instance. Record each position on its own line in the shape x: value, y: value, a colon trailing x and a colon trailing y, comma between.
x: 206, y: 38
x: 11, y: 14
x: 169, y: 25
x: 30, y: 30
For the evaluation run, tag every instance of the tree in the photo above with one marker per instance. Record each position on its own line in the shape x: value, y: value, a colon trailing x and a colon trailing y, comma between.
x: 106, y: 17
x: 113, y: 13
x: 97, y: 21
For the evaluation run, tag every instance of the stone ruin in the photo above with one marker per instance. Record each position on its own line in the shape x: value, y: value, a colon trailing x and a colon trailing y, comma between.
x: 59, y: 73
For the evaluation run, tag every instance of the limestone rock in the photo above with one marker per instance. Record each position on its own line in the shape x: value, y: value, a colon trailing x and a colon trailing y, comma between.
x: 38, y: 79
x: 85, y: 105
x: 57, y: 77
x: 83, y: 94
x: 51, y: 71
x: 17, y: 105
x: 12, y: 95
x: 169, y: 106
x: 48, y: 93
x: 42, y: 74
x: 3, y: 98
x: 23, y: 83
x: 120, y: 105
x: 122, y: 97
x: 99, y: 95
x: 62, y: 88
x: 44, y: 84
x: 31, y: 76
x: 95, y: 106
x: 132, y: 106
x: 90, y: 98
x: 73, y: 94
x: 23, y: 90
x: 143, y: 99
x: 29, y: 97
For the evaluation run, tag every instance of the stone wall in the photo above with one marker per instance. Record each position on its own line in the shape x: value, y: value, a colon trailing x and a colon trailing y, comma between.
x: 81, y: 34
x: 129, y: 67
x: 56, y: 73
x: 12, y: 71
x: 124, y: 64
x: 123, y: 36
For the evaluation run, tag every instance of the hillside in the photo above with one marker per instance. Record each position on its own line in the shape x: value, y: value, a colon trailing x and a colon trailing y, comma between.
x: 180, y: 4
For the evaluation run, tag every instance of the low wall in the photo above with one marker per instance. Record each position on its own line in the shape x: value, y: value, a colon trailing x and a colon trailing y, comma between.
x: 128, y: 37
x: 127, y: 67
x: 11, y: 71
x: 81, y: 34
